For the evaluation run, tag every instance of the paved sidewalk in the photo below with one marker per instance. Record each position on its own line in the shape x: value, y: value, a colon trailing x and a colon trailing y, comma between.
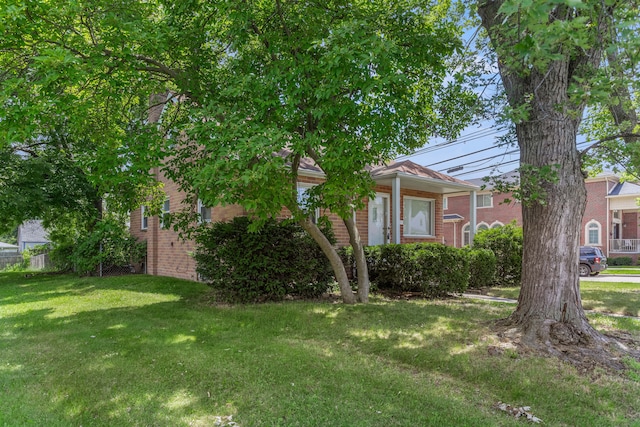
x: 604, y: 277
x: 513, y: 301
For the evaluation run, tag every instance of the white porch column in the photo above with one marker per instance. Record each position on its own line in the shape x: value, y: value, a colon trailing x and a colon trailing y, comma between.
x: 472, y: 217
x: 395, y: 227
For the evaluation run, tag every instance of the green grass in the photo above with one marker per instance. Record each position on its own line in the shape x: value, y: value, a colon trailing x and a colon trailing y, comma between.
x: 604, y: 297
x: 150, y: 351
x: 619, y: 269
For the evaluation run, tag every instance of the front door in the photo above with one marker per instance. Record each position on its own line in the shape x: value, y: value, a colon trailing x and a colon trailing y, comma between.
x: 379, y: 220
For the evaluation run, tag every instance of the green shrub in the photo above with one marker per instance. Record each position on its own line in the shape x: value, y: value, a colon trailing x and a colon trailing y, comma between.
x: 277, y: 260
x: 61, y: 256
x: 506, y: 244
x: 482, y: 268
x: 623, y: 260
x: 432, y: 269
x: 109, y: 243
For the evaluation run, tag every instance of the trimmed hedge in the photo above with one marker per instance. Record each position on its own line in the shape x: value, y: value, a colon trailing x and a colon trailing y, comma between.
x: 482, y: 268
x: 506, y: 244
x: 432, y: 269
x: 266, y: 265
x: 622, y: 260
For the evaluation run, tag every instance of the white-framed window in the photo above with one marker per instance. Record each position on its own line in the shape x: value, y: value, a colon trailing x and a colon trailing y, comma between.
x: 466, y: 236
x: 166, y: 208
x: 592, y: 232
x: 303, y: 197
x: 484, y: 200
x: 204, y: 212
x: 418, y: 217
x: 144, y: 219
x: 445, y: 203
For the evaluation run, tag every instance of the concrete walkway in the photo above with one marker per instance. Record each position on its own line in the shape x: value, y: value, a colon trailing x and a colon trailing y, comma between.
x: 513, y: 301
x: 621, y: 278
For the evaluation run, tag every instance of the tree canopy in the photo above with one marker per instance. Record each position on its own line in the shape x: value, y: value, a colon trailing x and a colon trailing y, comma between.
x: 252, y: 88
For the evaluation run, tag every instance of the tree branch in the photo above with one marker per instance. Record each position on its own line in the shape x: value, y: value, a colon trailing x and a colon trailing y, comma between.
x: 624, y: 135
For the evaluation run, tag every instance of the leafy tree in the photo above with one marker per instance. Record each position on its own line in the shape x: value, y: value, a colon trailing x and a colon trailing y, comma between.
x: 259, y: 86
x: 10, y: 237
x: 555, y: 59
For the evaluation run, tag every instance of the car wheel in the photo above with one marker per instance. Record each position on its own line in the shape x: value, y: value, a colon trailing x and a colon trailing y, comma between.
x: 595, y: 273
x: 584, y: 270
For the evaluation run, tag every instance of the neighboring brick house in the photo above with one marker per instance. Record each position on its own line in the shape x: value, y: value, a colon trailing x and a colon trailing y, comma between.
x: 610, y: 219
x: 407, y: 208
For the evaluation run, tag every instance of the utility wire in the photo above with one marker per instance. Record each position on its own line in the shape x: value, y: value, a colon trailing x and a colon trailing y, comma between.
x: 469, y: 154
x: 479, y: 160
x: 498, y: 164
x: 482, y: 133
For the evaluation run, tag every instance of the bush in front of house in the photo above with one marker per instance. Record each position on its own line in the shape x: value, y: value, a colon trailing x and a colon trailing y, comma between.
x: 432, y: 269
x: 482, y: 268
x: 506, y: 244
x: 622, y: 260
x: 278, y: 259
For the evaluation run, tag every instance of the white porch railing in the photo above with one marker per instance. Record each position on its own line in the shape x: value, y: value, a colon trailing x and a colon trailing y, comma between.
x: 629, y: 246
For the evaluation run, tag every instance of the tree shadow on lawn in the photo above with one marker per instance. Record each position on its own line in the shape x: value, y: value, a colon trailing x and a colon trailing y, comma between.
x: 167, y: 364
x: 626, y: 303
x: 19, y: 289
x: 172, y: 363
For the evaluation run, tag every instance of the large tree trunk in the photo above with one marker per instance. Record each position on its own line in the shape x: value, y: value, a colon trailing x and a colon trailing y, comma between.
x: 361, y: 260
x: 549, y: 306
x: 334, y: 258
x: 549, y: 315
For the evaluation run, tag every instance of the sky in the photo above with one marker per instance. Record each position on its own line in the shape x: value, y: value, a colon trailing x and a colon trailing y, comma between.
x: 474, y: 154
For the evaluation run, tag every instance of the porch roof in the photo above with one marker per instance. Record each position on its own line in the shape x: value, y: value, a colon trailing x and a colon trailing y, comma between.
x: 417, y: 177
x: 452, y: 217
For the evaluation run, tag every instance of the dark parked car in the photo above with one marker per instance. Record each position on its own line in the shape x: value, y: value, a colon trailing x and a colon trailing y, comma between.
x: 592, y: 261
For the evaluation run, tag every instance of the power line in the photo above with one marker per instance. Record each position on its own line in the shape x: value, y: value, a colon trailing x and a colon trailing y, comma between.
x: 479, y: 160
x: 466, y: 155
x: 487, y: 167
x: 482, y: 133
x: 499, y: 164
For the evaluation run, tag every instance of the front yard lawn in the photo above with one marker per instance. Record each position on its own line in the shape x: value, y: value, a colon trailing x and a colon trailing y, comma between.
x: 152, y: 351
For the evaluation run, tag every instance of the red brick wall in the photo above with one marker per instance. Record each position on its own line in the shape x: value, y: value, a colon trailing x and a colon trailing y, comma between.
x: 502, y: 212
x: 167, y: 255
x: 596, y: 210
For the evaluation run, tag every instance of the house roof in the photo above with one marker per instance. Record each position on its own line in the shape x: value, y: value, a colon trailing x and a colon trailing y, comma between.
x: 6, y: 246
x: 416, y: 176
x: 413, y: 175
x: 625, y: 189
x: 512, y: 177
x: 32, y: 231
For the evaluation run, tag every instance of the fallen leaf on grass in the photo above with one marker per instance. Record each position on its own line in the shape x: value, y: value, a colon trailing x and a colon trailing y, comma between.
x: 521, y: 411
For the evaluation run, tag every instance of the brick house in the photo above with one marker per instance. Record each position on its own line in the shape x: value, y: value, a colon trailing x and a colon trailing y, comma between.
x: 610, y: 219
x: 408, y: 207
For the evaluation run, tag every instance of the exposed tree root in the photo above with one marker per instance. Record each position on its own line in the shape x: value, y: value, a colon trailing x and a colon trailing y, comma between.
x: 585, y: 348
